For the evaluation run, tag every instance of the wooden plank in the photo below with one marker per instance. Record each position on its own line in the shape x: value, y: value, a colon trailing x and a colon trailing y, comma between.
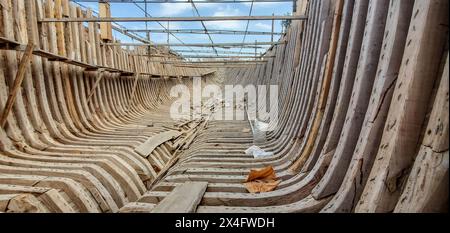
x: 6, y: 43
x: 24, y: 62
x: 183, y: 199
x: 137, y: 207
x: 146, y: 148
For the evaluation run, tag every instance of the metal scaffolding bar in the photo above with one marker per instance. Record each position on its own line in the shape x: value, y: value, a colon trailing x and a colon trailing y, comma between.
x: 215, y: 66
x: 173, y: 19
x: 215, y: 62
x: 209, y: 51
x: 204, y: 26
x: 201, y: 31
x: 231, y: 57
x: 273, y: 29
x: 246, y: 28
x: 248, y: 45
x: 148, y: 15
x: 186, y: 1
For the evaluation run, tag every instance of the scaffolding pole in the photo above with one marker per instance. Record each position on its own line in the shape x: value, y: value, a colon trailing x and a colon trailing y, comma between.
x: 202, y: 31
x: 247, y: 45
x: 187, y: 1
x: 209, y: 51
x: 172, y: 19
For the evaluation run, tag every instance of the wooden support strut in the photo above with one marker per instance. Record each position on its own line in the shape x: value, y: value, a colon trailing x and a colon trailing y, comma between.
x: 133, y: 93
x: 94, y: 88
x: 26, y: 58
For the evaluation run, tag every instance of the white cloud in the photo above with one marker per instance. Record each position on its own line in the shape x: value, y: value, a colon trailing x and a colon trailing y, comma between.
x: 170, y: 9
x: 236, y: 25
x: 141, y: 26
x: 263, y: 4
x: 263, y: 26
x: 228, y: 11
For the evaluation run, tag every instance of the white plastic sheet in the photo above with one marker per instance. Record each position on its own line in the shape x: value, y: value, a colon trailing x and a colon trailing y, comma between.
x: 257, y: 152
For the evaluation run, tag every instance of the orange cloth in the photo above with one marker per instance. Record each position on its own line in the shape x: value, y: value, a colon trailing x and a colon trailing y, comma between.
x: 263, y: 180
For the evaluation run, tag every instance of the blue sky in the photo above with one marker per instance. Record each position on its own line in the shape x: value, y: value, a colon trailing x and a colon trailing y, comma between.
x: 205, y: 9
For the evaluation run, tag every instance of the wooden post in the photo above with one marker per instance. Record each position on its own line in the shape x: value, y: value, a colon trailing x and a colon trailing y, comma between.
x: 59, y: 28
x: 26, y: 58
x: 106, y: 27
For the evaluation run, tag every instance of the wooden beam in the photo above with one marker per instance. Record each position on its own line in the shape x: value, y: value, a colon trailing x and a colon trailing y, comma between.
x: 26, y: 58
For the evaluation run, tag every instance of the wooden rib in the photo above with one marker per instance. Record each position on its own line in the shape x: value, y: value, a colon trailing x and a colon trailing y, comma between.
x: 370, y: 136
x: 406, y: 116
x: 419, y: 194
x: 325, y: 87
